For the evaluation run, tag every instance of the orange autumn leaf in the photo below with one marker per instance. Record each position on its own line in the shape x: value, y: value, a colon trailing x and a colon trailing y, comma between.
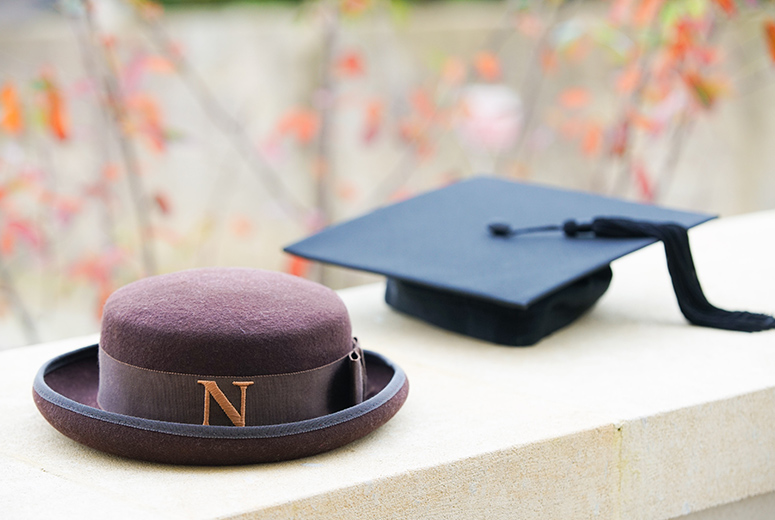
x: 373, y: 120
x: 488, y: 66
x: 146, y: 111
x: 683, y: 40
x: 769, y: 38
x: 55, y: 109
x: 413, y: 133
x: 301, y: 124
x: 28, y: 232
x: 706, y: 91
x: 409, y: 131
x: 643, y: 182
x: 89, y: 268
x: 241, y: 226
x: 592, y: 141
x: 46, y: 197
x: 97, y: 270
x: 104, y: 290
x: 108, y: 41
x: 163, y: 203
x: 422, y: 103
x: 574, y: 97
x: 298, y: 266
x: 646, y: 11
x: 449, y: 177
x: 110, y: 172
x: 619, y: 139
x: 728, y: 6
x: 549, y: 61
x: 12, y: 121
x: 346, y: 190
x: 620, y: 11
x: 628, y: 79
x: 350, y: 64
x: 399, y: 195
x: 7, y: 242
x: 159, y: 65
x: 19, y: 229
x: 354, y: 7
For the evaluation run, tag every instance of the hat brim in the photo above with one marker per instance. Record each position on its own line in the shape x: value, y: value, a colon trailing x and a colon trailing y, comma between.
x: 65, y: 392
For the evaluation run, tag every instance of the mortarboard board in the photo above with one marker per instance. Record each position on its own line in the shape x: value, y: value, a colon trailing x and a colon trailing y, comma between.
x: 451, y: 256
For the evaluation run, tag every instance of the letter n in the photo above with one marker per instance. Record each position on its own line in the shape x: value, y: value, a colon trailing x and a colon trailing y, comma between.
x: 211, y: 388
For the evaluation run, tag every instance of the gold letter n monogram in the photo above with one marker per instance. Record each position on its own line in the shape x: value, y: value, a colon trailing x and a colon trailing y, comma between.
x: 211, y: 388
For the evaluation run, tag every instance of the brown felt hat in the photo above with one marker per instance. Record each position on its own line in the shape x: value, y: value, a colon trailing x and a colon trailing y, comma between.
x: 220, y: 366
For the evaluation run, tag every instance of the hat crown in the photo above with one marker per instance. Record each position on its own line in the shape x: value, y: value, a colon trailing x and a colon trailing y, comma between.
x: 225, y: 322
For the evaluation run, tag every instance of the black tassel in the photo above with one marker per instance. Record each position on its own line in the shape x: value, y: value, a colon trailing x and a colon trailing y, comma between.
x: 692, y: 301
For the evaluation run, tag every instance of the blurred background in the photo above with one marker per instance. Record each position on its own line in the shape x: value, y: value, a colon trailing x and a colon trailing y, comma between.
x: 138, y: 137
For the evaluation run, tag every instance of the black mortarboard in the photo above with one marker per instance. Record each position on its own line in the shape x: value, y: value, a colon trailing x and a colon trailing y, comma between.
x: 510, y: 262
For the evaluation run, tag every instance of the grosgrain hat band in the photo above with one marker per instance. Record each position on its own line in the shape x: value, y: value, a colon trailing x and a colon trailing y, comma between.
x: 231, y: 400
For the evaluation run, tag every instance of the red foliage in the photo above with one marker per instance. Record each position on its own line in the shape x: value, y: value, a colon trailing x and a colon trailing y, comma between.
x: 728, y: 6
x: 98, y: 270
x: 549, y: 61
x: 592, y: 140
x: 619, y: 139
x: 705, y: 90
x: 241, y: 226
x: 346, y: 190
x: 422, y: 103
x: 17, y: 229
x: 628, y: 79
x: 488, y: 66
x: 400, y: 194
x: 769, y: 38
x: 111, y: 172
x: 12, y: 120
x: 373, y: 120
x: 354, y: 7
x: 574, y: 97
x: 414, y: 133
x: 163, y: 203
x: 302, y: 124
x: 646, y: 11
x: 643, y: 182
x: 298, y: 266
x: 54, y: 107
x: 350, y: 64
x: 148, y: 119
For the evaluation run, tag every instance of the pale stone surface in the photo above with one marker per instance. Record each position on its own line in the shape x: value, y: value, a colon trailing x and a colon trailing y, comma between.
x: 628, y: 413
